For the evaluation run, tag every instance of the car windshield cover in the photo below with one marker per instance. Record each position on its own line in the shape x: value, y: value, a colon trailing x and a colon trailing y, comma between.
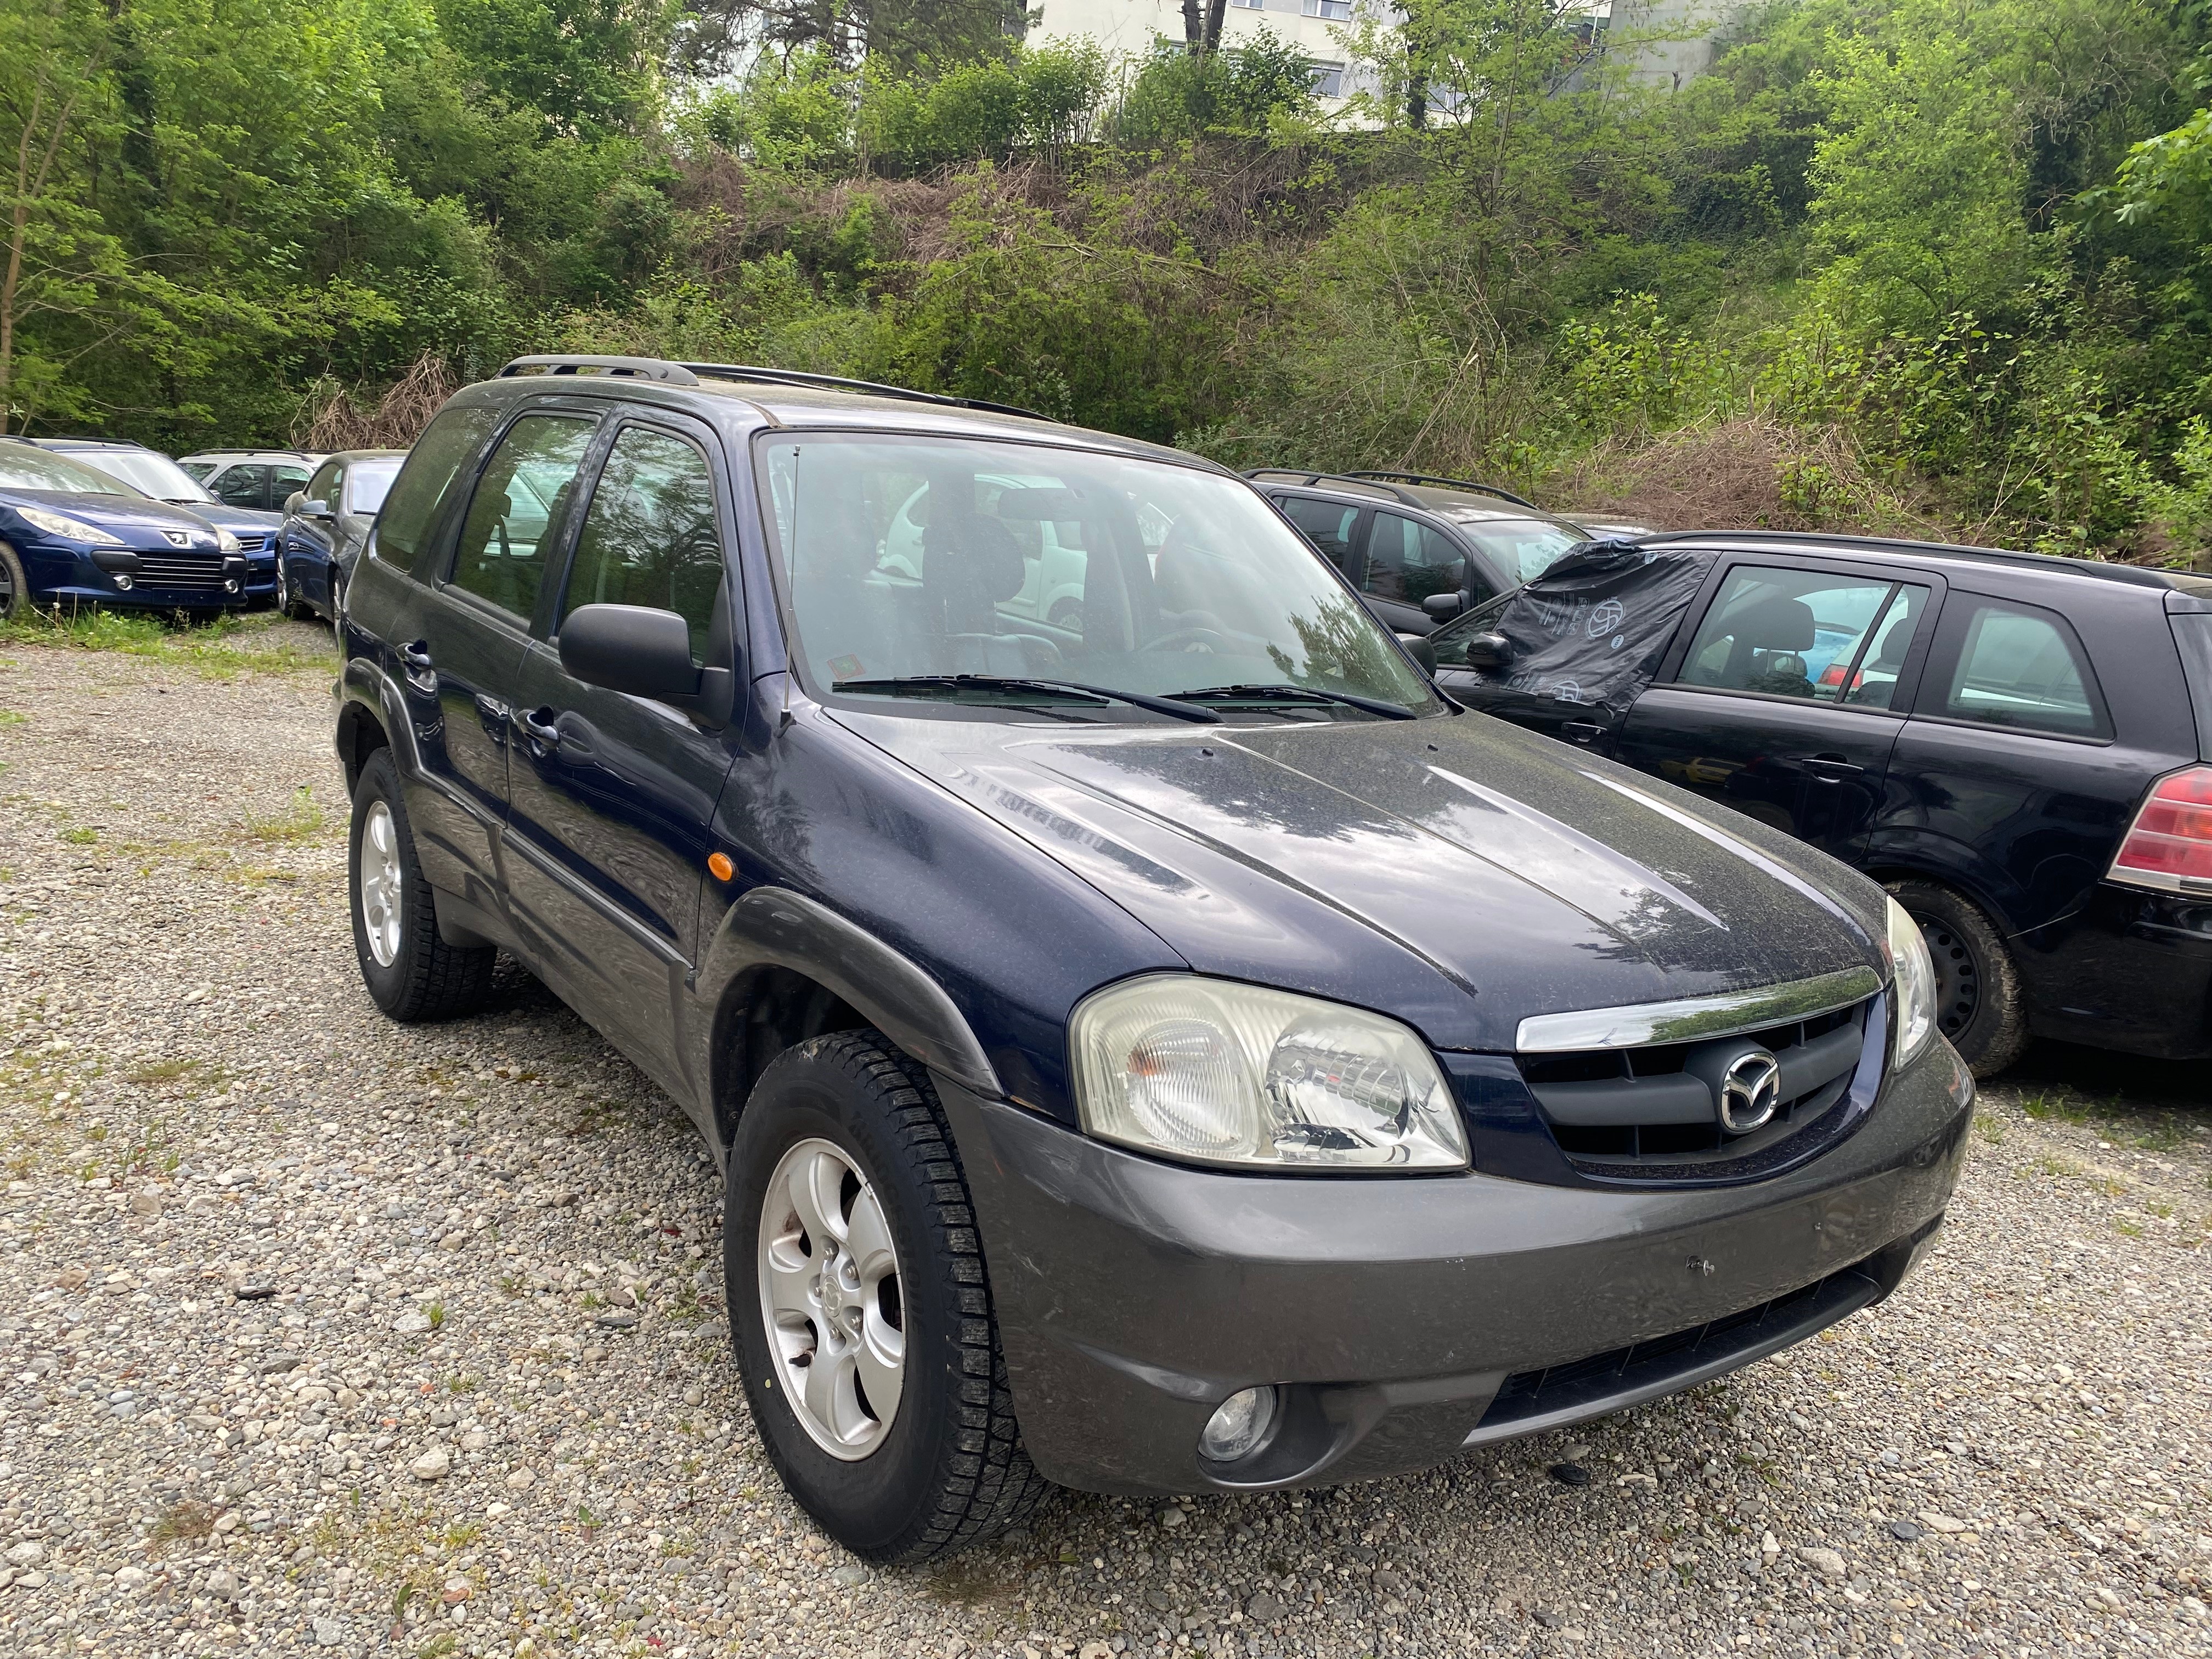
x: 22, y: 466
x: 143, y: 469
x: 909, y: 558
x: 366, y: 482
x: 1526, y: 548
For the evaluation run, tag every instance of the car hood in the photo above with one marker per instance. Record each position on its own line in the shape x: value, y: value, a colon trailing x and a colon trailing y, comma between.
x: 1458, y: 873
x: 142, y: 523
x: 240, y: 520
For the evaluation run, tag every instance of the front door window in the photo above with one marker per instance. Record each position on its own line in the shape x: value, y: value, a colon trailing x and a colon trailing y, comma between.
x: 1807, y: 634
x: 649, y: 538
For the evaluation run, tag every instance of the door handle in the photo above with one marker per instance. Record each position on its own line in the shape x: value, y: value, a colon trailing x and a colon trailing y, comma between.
x: 538, y: 725
x: 415, y: 661
x: 1829, y: 768
x: 1585, y: 732
x: 492, y: 712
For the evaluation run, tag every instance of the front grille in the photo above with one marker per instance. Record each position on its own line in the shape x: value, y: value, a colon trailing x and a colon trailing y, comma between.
x: 1664, y: 1364
x: 254, y: 543
x: 196, y: 574
x: 1650, y: 1112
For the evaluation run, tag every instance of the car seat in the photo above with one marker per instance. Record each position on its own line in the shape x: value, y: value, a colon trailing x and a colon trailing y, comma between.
x: 1780, y: 628
x: 969, y: 563
x: 1889, y: 657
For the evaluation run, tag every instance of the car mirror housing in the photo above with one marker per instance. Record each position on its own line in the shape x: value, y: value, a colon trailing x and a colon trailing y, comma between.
x: 629, y: 648
x: 1487, y: 651
x: 315, y: 509
x: 1444, y: 606
x: 1418, y: 648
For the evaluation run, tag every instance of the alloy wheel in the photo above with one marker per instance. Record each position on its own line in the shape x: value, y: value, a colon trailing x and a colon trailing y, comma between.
x: 382, y: 884
x: 829, y: 1299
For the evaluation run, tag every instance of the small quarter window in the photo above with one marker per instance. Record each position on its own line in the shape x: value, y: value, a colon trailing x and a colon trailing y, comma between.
x: 2021, y: 666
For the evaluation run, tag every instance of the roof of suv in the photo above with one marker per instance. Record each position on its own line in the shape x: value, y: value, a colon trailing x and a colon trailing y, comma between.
x: 2132, y: 575
x: 1404, y: 489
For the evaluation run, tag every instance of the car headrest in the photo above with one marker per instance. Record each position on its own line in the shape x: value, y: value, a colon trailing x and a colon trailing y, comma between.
x: 1775, y: 625
x: 973, y: 553
x: 1889, y: 650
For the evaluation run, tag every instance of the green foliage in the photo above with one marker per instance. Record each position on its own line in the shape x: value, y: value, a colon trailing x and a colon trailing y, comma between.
x: 1258, y: 84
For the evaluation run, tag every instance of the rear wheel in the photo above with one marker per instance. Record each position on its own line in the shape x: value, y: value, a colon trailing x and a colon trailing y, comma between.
x: 14, y: 585
x: 1978, y: 996
x: 412, y: 974
x: 859, y: 1307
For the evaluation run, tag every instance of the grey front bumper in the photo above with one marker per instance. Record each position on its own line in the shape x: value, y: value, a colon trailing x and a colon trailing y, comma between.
x: 1133, y: 1296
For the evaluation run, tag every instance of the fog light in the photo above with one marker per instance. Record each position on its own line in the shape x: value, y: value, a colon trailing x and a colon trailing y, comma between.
x: 1239, y: 1426
x: 230, y: 585
x: 123, y: 584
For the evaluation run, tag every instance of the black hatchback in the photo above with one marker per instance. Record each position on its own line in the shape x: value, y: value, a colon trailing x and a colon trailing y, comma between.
x: 2013, y: 745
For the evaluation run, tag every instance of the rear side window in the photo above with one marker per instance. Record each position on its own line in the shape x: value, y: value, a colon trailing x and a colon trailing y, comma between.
x: 410, y: 511
x: 517, y: 510
x: 2192, y: 632
x: 649, y: 536
x: 2022, y: 667
x: 1327, y: 524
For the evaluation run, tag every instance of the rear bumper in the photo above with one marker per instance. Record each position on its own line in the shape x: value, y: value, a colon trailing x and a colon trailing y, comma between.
x: 2129, y: 969
x: 1410, y: 1318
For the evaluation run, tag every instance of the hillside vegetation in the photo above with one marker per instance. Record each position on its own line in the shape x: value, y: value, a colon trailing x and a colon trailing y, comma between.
x: 1914, y: 264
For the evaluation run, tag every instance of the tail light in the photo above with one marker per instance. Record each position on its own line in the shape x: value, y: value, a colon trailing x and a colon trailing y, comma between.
x: 2170, y: 844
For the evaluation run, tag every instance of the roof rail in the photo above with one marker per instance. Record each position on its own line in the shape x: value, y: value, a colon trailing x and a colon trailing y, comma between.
x: 840, y: 383
x: 641, y: 368
x: 1391, y: 484
x: 1447, y: 483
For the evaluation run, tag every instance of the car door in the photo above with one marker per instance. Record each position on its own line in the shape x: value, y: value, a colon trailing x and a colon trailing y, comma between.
x: 475, y: 623
x: 607, y: 834
x: 1779, y: 704
x: 2010, y: 782
x: 1403, y: 562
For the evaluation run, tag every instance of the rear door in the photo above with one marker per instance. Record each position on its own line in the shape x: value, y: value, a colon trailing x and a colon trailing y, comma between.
x: 474, y: 624
x: 1779, y: 702
x: 607, y: 837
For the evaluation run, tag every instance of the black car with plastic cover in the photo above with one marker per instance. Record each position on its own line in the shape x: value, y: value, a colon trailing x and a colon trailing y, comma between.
x: 1154, y: 1045
x: 2020, y: 748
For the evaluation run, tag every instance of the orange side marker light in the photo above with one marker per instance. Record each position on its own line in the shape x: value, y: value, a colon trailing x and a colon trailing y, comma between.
x: 720, y: 867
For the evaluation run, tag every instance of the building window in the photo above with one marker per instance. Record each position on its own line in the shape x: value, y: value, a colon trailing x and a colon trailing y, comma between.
x: 1250, y: 5
x: 1327, y: 78
x: 1337, y: 11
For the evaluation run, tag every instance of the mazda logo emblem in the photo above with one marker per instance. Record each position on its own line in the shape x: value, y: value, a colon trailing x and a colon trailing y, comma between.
x: 1751, y: 1089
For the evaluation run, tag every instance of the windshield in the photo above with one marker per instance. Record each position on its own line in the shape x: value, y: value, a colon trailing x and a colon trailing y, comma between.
x: 156, y: 475
x: 906, y: 557
x: 26, y: 467
x: 366, y: 482
x: 1526, y: 548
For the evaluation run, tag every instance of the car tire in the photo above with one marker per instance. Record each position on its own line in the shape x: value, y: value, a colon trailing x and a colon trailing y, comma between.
x: 944, y: 1467
x: 290, y: 604
x: 14, y: 585
x: 1979, y: 1005
x: 338, y: 599
x: 412, y: 974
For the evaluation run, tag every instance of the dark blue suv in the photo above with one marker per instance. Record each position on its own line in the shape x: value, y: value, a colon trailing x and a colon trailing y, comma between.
x: 71, y: 534
x: 1154, y: 1043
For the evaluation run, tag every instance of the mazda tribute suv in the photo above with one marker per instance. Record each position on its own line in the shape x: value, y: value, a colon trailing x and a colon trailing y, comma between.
x: 1156, y: 1045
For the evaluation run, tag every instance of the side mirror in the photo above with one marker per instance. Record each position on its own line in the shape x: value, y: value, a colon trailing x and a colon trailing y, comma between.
x: 1487, y: 651
x: 315, y: 509
x: 1444, y: 606
x: 629, y: 648
x: 1418, y: 648
x: 296, y: 502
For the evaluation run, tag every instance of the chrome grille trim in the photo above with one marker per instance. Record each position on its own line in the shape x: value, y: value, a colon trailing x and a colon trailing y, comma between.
x: 1690, y: 1019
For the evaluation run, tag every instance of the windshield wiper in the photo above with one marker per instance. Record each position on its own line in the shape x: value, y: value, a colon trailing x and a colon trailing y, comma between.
x: 1388, y: 711
x: 1168, y: 705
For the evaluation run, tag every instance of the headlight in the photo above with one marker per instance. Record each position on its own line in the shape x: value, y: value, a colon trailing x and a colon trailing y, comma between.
x: 74, y: 529
x: 225, y: 540
x: 1913, y: 973
x: 1212, y: 1072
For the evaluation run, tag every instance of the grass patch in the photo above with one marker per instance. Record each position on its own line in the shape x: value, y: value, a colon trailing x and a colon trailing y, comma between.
x: 229, y: 645
x: 1989, y: 1128
x: 184, y: 1523
x: 10, y: 717
x: 81, y: 837
x: 298, y: 821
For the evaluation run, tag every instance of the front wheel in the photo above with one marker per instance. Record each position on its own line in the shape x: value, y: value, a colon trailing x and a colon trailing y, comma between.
x: 288, y: 602
x: 859, y: 1307
x: 412, y: 974
x: 1979, y: 1005
x: 14, y: 585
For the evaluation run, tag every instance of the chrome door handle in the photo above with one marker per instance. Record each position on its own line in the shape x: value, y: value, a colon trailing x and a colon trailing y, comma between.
x: 415, y: 662
x: 540, y: 730
x: 1828, y: 768
x: 1582, y: 731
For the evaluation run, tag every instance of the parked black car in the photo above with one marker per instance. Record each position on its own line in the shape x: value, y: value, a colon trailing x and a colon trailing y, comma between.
x: 2013, y: 745
x: 1421, y: 549
x: 1180, y: 1052
x: 326, y: 525
x: 155, y: 475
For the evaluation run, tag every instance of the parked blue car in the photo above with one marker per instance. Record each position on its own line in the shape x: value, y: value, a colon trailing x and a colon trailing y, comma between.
x: 152, y: 473
x: 72, y: 534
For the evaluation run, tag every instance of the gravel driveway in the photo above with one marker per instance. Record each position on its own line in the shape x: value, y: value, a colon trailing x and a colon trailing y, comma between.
x: 316, y: 1333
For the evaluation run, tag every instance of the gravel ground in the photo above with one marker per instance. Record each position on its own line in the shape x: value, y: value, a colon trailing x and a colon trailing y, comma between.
x: 320, y: 1335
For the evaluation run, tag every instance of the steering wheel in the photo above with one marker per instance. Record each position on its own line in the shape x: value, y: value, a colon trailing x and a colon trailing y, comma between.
x: 1211, y: 638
